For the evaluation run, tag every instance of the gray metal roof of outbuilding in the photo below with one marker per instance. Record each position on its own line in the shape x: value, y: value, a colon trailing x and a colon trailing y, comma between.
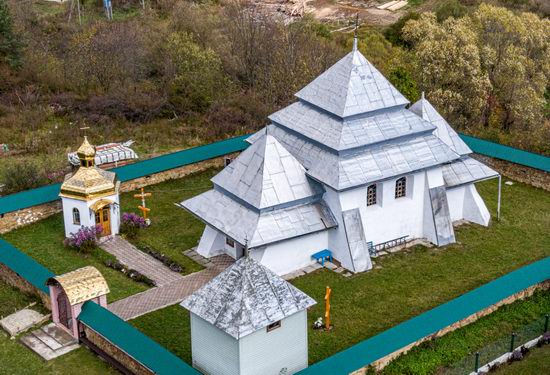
x: 352, y: 86
x: 245, y: 298
x: 267, y: 175
x: 259, y: 228
x: 444, y: 131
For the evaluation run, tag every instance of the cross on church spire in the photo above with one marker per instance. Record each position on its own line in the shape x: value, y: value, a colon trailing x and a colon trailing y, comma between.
x: 355, y: 32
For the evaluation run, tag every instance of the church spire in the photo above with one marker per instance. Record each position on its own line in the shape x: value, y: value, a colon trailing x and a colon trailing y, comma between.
x: 355, y: 32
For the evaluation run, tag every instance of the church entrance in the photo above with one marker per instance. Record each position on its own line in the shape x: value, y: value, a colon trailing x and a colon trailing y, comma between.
x: 103, y: 218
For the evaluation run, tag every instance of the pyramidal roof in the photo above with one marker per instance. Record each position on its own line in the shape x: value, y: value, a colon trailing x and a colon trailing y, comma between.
x: 266, y: 175
x: 426, y: 110
x: 352, y: 86
x: 245, y: 298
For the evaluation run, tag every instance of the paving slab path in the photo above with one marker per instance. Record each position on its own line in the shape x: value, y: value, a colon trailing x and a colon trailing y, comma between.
x: 170, y: 293
x: 128, y: 254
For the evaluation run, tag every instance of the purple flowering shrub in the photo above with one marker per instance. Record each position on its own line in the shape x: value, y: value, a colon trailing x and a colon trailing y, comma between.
x: 131, y: 224
x: 85, y: 240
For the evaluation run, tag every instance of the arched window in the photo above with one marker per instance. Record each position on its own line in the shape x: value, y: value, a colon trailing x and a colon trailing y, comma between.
x: 401, y: 187
x: 371, y: 195
x: 76, y: 216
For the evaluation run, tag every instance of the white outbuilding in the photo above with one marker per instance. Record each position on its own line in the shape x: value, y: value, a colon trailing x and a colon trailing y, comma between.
x: 90, y: 196
x: 350, y: 167
x: 248, y: 321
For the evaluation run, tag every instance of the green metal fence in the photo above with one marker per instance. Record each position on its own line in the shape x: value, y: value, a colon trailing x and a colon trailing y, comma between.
x: 47, y: 194
x: 501, y: 345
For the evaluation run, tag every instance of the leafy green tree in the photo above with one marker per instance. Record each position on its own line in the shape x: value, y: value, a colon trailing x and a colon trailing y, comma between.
x: 10, y: 46
x: 198, y: 78
x: 403, y: 80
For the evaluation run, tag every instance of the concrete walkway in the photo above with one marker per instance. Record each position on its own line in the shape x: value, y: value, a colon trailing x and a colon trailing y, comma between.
x: 171, y: 293
x: 129, y: 255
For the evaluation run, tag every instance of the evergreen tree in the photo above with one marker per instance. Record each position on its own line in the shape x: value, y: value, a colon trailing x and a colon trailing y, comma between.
x: 10, y: 46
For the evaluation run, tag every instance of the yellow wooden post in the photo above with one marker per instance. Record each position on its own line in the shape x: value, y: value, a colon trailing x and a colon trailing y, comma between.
x: 143, y: 208
x: 327, y: 307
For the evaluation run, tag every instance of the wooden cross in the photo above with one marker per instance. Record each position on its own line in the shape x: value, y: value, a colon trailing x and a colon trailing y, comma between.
x: 327, y: 307
x: 143, y: 206
x: 84, y: 129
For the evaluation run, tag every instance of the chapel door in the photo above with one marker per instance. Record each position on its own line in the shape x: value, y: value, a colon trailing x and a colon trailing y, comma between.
x: 63, y: 309
x: 103, y: 218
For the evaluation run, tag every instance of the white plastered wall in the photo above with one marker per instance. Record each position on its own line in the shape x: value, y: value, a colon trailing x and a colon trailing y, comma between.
x: 390, y: 218
x: 86, y: 220
x: 290, y: 255
x: 212, y: 242
x: 465, y: 203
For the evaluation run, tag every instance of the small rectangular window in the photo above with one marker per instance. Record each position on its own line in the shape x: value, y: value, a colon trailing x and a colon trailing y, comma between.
x: 229, y: 242
x: 273, y: 326
x: 401, y: 187
x: 371, y: 195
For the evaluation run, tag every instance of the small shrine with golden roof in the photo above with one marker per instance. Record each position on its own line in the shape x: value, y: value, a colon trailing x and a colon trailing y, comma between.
x: 90, y: 196
x: 69, y: 292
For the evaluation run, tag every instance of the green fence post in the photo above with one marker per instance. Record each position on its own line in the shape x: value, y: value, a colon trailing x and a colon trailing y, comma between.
x: 512, y: 341
x: 546, y: 323
x: 477, y: 362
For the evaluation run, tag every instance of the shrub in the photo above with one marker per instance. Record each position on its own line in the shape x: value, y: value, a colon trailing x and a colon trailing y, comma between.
x: 85, y: 240
x: 130, y: 273
x: 23, y: 175
x: 131, y: 224
x: 166, y: 260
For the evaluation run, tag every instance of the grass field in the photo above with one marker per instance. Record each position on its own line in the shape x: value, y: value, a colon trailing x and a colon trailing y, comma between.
x: 408, y: 283
x: 15, y: 359
x: 433, y: 356
x: 173, y: 229
x: 537, y: 362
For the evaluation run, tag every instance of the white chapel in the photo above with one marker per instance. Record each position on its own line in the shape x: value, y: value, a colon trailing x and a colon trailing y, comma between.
x: 90, y: 196
x: 350, y: 167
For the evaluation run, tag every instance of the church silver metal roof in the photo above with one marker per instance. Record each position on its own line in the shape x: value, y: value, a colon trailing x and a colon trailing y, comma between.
x: 245, y: 298
x: 444, y: 131
x: 342, y: 134
x: 352, y: 86
x: 258, y: 228
x: 466, y: 170
x: 266, y: 175
x: 366, y: 165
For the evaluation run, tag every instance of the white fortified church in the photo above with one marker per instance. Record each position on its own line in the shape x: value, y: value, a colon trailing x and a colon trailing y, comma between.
x: 348, y: 168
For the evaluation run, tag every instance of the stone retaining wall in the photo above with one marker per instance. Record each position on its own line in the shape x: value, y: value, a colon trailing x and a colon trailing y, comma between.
x: 383, y: 362
x: 517, y: 172
x: 13, y: 279
x: 115, y: 352
x: 13, y: 220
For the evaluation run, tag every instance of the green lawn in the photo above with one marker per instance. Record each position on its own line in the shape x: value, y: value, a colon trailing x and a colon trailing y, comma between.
x: 414, y: 281
x: 173, y: 229
x: 537, y: 362
x: 432, y: 356
x: 409, y: 282
x: 44, y: 242
x: 170, y: 327
x: 17, y: 359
